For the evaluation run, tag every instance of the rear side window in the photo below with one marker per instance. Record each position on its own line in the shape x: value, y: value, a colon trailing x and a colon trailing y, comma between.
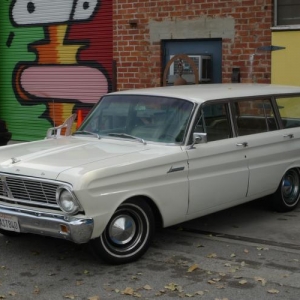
x: 254, y: 116
x: 289, y: 110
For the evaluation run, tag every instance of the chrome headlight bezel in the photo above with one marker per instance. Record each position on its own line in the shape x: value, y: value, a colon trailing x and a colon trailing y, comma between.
x: 66, y: 193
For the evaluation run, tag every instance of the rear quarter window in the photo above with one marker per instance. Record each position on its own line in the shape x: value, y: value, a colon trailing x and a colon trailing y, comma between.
x: 289, y: 110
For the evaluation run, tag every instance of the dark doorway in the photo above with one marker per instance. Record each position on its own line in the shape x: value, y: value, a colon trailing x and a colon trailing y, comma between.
x: 206, y: 54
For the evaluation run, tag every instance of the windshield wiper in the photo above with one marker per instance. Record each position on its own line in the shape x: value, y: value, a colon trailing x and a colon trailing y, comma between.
x: 88, y: 132
x: 116, y: 134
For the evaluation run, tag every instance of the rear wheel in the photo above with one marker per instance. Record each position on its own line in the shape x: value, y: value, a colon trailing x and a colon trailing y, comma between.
x: 287, y: 196
x: 128, y: 234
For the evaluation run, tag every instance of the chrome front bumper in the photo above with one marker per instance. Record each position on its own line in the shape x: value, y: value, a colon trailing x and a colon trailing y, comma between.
x: 73, y: 228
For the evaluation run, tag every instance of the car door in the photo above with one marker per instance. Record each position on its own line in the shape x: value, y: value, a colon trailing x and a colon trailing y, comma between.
x: 272, y: 144
x: 218, y: 170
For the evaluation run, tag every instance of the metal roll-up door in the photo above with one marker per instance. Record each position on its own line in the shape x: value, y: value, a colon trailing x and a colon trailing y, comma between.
x: 56, y: 59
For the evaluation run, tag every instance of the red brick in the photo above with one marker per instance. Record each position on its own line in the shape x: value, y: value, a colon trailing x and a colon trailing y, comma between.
x: 133, y: 49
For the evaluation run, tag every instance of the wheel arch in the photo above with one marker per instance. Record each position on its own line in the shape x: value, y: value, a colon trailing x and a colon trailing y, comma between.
x: 286, y: 197
x: 294, y: 165
x: 159, y: 223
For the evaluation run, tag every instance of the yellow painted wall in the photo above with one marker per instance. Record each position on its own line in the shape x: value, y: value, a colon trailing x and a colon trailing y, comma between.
x: 286, y: 62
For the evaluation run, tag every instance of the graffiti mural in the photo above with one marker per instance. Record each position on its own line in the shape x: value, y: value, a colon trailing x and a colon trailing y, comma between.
x: 72, y: 68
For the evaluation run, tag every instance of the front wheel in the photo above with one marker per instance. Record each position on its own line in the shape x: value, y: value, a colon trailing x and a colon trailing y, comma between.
x: 287, y: 196
x: 127, y: 235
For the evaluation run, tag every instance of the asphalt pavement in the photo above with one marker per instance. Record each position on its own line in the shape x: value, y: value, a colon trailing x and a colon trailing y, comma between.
x: 247, y: 252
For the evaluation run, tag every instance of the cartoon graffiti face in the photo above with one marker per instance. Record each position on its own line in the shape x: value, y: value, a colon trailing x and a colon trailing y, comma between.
x: 57, y: 75
x: 42, y: 12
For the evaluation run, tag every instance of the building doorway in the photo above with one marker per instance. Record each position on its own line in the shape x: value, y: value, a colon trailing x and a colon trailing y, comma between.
x: 205, y: 53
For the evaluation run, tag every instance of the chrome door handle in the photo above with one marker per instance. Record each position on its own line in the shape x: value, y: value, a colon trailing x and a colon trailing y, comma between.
x: 288, y: 136
x: 175, y: 169
x: 244, y: 144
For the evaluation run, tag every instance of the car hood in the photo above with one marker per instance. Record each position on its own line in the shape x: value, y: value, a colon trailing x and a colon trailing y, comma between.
x: 48, y: 158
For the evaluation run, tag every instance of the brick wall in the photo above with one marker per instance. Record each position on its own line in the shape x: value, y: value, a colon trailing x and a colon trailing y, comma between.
x: 139, y: 58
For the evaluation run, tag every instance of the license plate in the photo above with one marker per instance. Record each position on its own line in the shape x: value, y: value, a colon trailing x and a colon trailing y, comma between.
x: 9, y: 223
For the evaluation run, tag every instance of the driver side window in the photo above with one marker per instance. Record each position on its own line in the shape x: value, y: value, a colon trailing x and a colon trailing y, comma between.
x: 214, y: 121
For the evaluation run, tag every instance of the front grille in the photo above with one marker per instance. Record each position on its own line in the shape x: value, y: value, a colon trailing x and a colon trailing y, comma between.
x: 33, y: 192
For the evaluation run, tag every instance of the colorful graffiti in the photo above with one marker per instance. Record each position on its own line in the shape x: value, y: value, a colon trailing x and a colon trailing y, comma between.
x: 72, y: 68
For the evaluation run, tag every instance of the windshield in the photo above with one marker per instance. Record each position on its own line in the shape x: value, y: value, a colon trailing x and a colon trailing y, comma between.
x: 140, y: 117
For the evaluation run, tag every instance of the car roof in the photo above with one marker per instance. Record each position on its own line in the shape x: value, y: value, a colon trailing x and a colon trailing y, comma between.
x: 204, y: 92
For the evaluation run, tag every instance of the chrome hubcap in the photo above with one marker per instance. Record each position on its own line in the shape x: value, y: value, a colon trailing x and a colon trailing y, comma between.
x: 290, y: 187
x: 122, y: 229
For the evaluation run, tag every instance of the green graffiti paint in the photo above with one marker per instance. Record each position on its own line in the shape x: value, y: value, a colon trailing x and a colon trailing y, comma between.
x: 21, y: 120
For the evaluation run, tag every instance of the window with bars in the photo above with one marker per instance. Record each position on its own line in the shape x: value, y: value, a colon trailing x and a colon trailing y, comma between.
x: 287, y: 12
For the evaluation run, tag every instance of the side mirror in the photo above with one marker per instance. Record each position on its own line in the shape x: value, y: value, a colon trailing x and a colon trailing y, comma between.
x: 199, y: 138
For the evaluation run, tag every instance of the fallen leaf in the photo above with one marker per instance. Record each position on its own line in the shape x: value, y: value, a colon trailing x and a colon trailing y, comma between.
x: 246, y: 251
x: 12, y: 293
x: 86, y: 272
x: 128, y: 291
x: 243, y: 264
x: 262, y: 248
x: 2, y: 297
x: 273, y: 291
x: 147, y: 287
x: 189, y: 295
x: 174, y: 287
x: 243, y: 281
x: 212, y: 255
x: 36, y: 290
x: 201, y: 293
x: 262, y: 280
x: 137, y: 295
x: 70, y: 296
x: 192, y: 268
x: 232, y: 255
x: 94, y: 298
x: 79, y: 282
x: 220, y: 286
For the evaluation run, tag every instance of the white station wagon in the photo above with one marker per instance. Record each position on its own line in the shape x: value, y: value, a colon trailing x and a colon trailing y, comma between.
x: 154, y: 157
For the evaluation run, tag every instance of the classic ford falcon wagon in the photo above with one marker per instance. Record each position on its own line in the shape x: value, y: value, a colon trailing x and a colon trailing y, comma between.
x: 154, y: 157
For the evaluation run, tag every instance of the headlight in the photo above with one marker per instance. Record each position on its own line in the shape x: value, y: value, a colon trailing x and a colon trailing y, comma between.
x: 67, y: 201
